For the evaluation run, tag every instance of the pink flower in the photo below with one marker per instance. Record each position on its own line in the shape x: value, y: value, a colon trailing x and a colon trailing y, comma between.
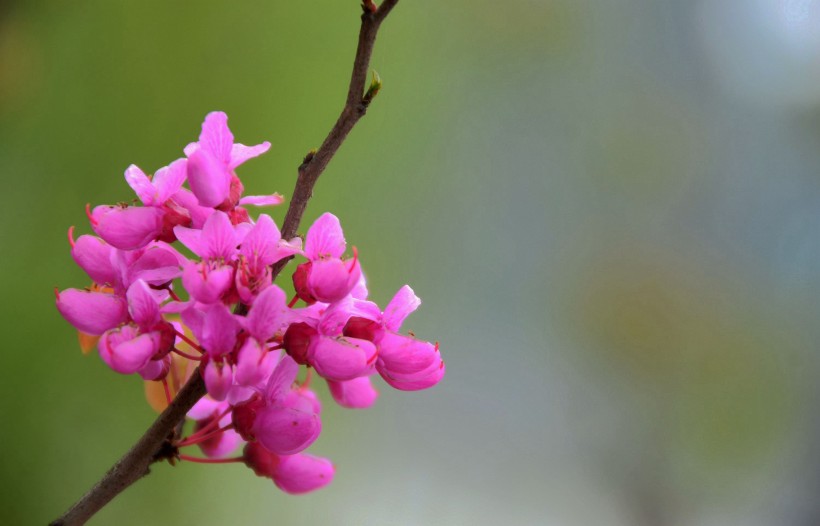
x: 262, y: 246
x: 358, y: 393
x: 405, y: 362
x: 268, y: 315
x: 129, y: 348
x: 285, y: 420
x: 210, y: 279
x: 294, y: 474
x: 158, y: 193
x: 326, y: 277
x: 211, y: 164
x: 92, y: 312
x: 219, y: 443
x: 127, y: 227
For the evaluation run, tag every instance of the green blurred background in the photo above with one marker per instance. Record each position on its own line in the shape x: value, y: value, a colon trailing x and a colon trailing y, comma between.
x: 610, y: 209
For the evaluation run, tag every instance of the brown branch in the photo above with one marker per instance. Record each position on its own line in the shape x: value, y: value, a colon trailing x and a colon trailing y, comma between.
x: 155, y: 444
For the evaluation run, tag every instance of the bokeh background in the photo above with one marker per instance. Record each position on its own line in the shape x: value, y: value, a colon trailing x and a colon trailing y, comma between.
x: 610, y: 209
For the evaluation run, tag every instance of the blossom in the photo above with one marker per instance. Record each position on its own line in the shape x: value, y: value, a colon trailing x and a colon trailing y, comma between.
x: 184, y: 282
x: 294, y: 474
x: 326, y: 277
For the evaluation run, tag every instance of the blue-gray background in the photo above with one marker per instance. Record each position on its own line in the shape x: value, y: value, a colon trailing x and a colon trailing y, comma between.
x: 610, y: 209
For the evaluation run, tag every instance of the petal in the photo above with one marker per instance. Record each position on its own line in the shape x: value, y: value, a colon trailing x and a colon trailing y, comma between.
x: 358, y: 393
x: 187, y: 200
x: 422, y: 380
x: 338, y: 314
x: 156, y: 370
x: 92, y: 312
x: 206, y: 283
x: 360, y: 291
x: 254, y: 364
x: 285, y: 431
x: 341, y: 359
x: 241, y: 153
x: 93, y: 255
x: 205, y: 408
x: 260, y: 244
x: 209, y: 179
x: 168, y: 180
x: 409, y: 364
x: 142, y: 306
x: 262, y: 200
x: 302, y: 473
x: 281, y: 379
x: 403, y: 303
x: 330, y: 280
x: 127, y: 228
x: 128, y: 356
x: 221, y: 445
x: 268, y: 314
x: 325, y: 238
x: 259, y: 459
x: 157, y: 265
x: 219, y: 237
x: 219, y: 330
x: 141, y: 184
x: 216, y: 138
x: 191, y: 238
x: 218, y: 380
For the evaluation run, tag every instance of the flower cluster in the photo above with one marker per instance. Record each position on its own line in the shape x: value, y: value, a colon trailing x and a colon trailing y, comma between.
x: 158, y: 310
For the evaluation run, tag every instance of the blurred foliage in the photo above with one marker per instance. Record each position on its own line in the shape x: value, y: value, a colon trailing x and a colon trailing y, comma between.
x: 615, y: 240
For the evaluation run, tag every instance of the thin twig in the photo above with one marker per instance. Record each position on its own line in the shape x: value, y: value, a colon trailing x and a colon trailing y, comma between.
x: 156, y: 444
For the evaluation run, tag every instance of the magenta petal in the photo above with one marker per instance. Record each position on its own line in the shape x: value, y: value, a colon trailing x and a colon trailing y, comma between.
x: 302, y: 473
x: 218, y: 380
x: 358, y: 393
x: 409, y: 364
x: 281, y: 379
x: 422, y: 380
x: 341, y: 359
x: 93, y: 255
x: 216, y: 138
x: 191, y: 238
x: 219, y: 237
x: 221, y: 445
x: 187, y: 200
x: 330, y: 280
x: 127, y: 228
x: 262, y: 200
x: 285, y: 430
x: 403, y: 303
x: 219, y: 329
x: 268, y: 314
x: 259, y: 246
x: 254, y: 364
x: 142, y: 306
x: 241, y: 153
x: 156, y: 370
x: 325, y: 238
x: 209, y: 179
x: 141, y: 184
x: 205, y: 408
x: 168, y: 180
x: 207, y: 284
x: 127, y: 354
x: 92, y: 312
x: 157, y: 265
